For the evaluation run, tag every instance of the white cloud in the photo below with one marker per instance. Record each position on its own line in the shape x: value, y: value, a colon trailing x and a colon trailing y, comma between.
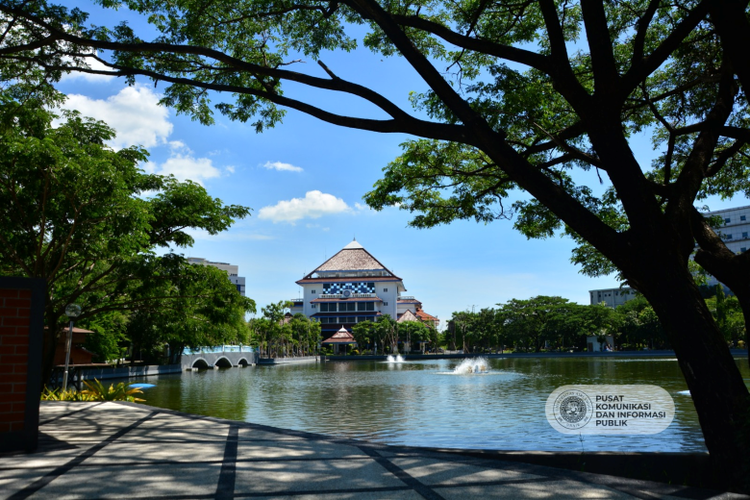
x: 134, y: 113
x: 230, y: 235
x: 277, y: 165
x: 94, y: 64
x: 315, y: 204
x: 186, y: 167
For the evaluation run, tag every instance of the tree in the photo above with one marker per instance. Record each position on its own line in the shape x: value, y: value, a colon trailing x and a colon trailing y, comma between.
x: 415, y: 332
x: 387, y: 332
x: 197, y: 307
x: 76, y: 214
x: 520, y: 95
x: 366, y: 334
x: 639, y: 324
x: 728, y: 314
x: 306, y: 334
x: 275, y: 330
x: 535, y: 321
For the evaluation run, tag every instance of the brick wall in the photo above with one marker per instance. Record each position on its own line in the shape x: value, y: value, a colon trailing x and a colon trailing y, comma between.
x: 21, y: 311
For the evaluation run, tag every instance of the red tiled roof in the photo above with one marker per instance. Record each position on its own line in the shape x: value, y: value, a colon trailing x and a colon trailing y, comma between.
x: 340, y: 337
x: 426, y: 317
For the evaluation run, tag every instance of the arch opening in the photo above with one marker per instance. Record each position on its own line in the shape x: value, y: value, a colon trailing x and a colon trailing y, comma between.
x: 223, y: 362
x: 200, y: 363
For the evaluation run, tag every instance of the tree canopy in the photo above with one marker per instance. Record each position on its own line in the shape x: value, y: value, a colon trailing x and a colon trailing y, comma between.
x: 521, y: 95
x: 88, y: 221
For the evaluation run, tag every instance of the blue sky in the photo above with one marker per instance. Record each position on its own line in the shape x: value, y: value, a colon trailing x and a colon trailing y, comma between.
x: 305, y: 180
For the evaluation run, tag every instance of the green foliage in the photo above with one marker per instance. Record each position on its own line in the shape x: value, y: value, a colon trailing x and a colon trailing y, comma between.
x: 728, y: 314
x: 87, y: 220
x: 532, y: 323
x: 67, y: 395
x: 639, y: 324
x: 278, y: 333
x: 115, y: 392
x: 198, y: 307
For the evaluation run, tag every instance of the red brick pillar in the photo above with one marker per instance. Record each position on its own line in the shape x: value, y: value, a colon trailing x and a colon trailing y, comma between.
x: 21, y: 323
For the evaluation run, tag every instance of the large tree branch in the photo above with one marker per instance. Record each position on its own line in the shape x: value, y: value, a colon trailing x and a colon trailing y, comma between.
x: 690, y: 180
x: 488, y: 47
x: 600, y: 45
x: 642, y: 28
x: 640, y: 70
x: 565, y: 206
x: 730, y: 19
x: 564, y: 80
x: 401, y: 123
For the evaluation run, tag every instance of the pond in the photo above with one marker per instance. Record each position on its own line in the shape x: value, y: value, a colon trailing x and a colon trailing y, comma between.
x: 425, y: 403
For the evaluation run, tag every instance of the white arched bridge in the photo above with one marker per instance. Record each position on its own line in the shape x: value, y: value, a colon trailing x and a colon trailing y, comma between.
x: 223, y: 356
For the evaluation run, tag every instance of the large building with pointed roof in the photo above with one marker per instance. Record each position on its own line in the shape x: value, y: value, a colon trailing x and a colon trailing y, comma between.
x: 351, y: 287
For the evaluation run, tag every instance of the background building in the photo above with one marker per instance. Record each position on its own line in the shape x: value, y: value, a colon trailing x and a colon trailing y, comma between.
x: 351, y: 287
x: 231, y: 269
x: 612, y: 297
x: 734, y: 229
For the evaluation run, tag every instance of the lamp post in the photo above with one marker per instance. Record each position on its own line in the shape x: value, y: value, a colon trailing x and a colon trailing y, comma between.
x: 72, y: 311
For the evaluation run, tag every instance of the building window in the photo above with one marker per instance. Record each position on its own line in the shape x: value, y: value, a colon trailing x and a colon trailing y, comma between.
x: 323, y: 307
x: 729, y: 236
x: 727, y: 220
x: 743, y: 249
x: 744, y: 234
x: 385, y: 303
x: 742, y: 217
x: 313, y: 291
x: 350, y: 306
x: 385, y: 290
x: 313, y: 306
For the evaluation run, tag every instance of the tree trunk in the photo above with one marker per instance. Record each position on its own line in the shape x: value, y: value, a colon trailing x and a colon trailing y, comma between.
x: 49, y: 348
x: 715, y: 383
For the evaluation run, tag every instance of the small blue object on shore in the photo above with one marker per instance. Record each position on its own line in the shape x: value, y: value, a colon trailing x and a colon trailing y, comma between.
x: 142, y: 386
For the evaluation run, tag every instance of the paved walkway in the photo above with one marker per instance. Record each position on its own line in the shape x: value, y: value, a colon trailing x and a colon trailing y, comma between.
x: 121, y: 450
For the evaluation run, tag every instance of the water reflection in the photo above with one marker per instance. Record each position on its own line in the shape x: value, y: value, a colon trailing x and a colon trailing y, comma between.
x: 416, y: 403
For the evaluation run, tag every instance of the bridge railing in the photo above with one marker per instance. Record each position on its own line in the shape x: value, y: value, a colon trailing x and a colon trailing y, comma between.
x: 220, y: 348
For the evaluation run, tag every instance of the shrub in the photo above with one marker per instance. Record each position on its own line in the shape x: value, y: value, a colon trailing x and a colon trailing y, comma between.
x: 119, y: 392
x: 67, y: 395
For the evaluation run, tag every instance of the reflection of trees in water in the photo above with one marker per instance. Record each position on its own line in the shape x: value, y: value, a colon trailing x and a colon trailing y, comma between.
x: 216, y: 392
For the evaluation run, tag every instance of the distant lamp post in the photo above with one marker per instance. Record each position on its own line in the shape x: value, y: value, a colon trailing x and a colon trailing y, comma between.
x: 72, y: 311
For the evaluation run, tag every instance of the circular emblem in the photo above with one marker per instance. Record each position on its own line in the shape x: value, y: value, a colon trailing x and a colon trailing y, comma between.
x: 573, y: 409
x: 347, y: 293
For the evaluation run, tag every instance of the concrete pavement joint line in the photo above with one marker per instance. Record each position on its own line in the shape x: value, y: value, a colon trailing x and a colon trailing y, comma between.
x: 69, y: 413
x: 279, y: 494
x: 59, y: 471
x: 225, y: 487
x: 401, y: 474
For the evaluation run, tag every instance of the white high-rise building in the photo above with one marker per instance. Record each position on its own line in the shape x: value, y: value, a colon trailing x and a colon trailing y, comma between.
x: 734, y: 231
x: 353, y: 286
x: 232, y: 271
